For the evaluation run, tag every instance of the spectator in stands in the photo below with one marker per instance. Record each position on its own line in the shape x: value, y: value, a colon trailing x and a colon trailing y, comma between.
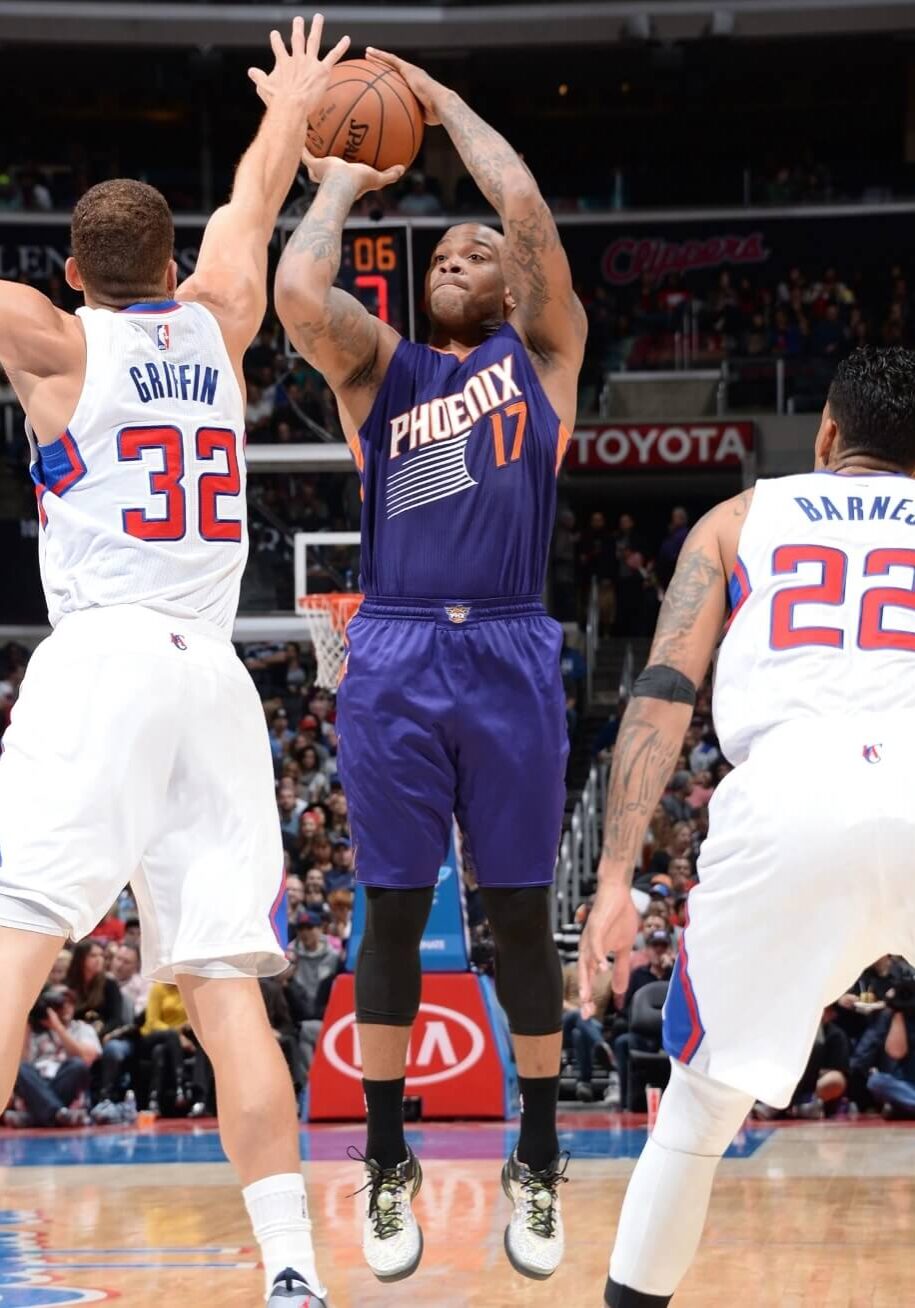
x: 61, y: 967
x: 419, y: 201
x: 676, y: 802
x: 57, y: 1060
x: 630, y: 557
x: 166, y: 1040
x: 316, y: 966
x: 581, y: 1036
x: 110, y: 928
x: 574, y: 673
x: 132, y: 932
x: 672, y: 544
x: 702, y: 790
x: 886, y: 1053
x: 338, y: 808
x: 316, y: 894
x: 704, y: 753
x: 280, y: 736
x: 295, y: 892
x: 119, y: 1044
x: 341, y: 875
x: 134, y: 988
x: 96, y: 997
x: 321, y: 859
x: 598, y: 560
x: 680, y: 871
x: 314, y: 785
x: 659, y: 968
x: 340, y: 903
x: 273, y: 990
x: 290, y: 808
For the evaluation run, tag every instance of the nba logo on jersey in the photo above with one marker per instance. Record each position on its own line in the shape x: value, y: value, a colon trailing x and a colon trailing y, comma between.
x: 178, y: 641
x: 163, y: 336
x: 871, y: 753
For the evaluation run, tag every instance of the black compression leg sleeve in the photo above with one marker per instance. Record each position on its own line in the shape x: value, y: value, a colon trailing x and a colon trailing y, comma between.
x: 528, y: 968
x: 388, y: 973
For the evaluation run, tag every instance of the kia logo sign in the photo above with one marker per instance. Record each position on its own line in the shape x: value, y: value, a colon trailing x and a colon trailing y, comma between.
x: 445, y: 1044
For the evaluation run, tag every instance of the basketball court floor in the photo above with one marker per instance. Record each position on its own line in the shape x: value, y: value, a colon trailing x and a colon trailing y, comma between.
x: 819, y: 1215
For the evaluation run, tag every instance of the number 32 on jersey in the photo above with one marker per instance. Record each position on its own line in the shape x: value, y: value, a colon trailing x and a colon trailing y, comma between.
x: 875, y: 631
x: 161, y: 450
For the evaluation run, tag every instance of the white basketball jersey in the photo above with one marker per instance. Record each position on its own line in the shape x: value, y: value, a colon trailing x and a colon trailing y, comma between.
x: 823, y: 606
x: 142, y: 499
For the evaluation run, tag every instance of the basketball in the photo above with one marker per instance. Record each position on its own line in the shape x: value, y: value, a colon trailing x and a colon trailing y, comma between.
x: 369, y: 116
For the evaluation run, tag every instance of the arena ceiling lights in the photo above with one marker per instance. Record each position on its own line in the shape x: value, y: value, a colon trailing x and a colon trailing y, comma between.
x: 449, y: 26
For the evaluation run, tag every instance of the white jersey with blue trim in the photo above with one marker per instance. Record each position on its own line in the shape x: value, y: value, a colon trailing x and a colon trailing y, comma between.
x: 142, y: 499
x: 822, y: 606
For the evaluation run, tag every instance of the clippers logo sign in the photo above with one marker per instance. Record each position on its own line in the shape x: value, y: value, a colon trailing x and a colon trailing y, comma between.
x: 631, y: 258
x: 640, y: 446
x: 453, y: 1062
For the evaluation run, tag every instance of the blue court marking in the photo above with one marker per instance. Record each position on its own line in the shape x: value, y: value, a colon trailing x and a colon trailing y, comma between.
x: 325, y: 1144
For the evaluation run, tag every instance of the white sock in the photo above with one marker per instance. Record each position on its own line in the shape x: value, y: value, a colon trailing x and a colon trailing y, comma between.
x: 278, y: 1210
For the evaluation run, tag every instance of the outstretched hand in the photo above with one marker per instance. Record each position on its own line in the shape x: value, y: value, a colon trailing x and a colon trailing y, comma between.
x: 299, y: 72
x: 363, y: 176
x: 427, y: 90
x: 611, y: 928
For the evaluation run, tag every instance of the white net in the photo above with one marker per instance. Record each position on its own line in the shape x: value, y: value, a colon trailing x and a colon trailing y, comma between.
x: 327, y: 617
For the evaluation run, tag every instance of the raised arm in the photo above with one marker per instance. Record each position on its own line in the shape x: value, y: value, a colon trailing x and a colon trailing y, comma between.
x: 652, y: 731
x: 36, y: 338
x: 549, y: 313
x: 336, y: 334
x: 231, y: 272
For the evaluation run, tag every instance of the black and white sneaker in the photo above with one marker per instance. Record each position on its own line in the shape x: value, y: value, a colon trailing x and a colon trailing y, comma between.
x: 534, y: 1238
x: 291, y: 1290
x: 392, y: 1240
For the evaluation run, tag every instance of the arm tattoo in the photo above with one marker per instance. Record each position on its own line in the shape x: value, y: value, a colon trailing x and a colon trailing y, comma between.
x: 507, y: 183
x: 321, y: 230
x: 340, y: 326
x: 698, y: 573
x: 644, y: 758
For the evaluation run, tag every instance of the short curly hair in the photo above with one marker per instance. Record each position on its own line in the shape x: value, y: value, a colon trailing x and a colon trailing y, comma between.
x: 123, y: 236
x: 872, y: 402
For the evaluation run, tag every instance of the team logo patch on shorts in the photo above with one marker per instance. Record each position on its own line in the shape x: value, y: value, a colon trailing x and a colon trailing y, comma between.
x: 457, y: 613
x: 163, y: 335
x: 178, y: 641
x: 872, y: 753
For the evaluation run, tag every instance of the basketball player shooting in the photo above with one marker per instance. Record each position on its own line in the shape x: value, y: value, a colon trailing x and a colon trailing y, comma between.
x: 154, y: 765
x: 452, y: 701
x: 815, y: 706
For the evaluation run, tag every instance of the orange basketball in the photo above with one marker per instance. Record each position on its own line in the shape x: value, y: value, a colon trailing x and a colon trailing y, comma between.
x: 369, y: 116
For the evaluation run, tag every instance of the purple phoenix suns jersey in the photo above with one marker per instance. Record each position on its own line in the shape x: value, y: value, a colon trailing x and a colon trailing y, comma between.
x: 458, y: 461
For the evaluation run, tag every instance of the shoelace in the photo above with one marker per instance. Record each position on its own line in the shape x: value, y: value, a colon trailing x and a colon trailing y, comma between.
x: 539, y: 1189
x: 386, y: 1186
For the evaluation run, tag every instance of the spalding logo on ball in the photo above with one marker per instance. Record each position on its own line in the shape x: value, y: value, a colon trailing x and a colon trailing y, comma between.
x: 369, y: 116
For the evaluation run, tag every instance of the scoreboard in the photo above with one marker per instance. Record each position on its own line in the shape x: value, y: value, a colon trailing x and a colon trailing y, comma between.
x: 375, y: 268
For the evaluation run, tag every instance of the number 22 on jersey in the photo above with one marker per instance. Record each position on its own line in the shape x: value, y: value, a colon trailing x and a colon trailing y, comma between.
x: 165, y: 517
x: 788, y: 631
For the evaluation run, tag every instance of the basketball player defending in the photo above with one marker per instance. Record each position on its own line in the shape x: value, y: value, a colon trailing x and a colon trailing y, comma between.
x: 815, y: 706
x: 138, y: 747
x: 452, y: 700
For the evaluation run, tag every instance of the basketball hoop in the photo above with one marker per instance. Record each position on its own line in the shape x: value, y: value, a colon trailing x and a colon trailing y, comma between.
x: 328, y: 617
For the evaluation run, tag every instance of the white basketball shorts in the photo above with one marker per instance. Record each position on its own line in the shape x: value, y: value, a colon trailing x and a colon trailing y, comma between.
x: 138, y: 752
x: 806, y: 878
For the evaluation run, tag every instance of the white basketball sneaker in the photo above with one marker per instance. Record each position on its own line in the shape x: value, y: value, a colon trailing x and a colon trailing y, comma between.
x: 291, y: 1290
x: 534, y: 1238
x: 392, y: 1240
